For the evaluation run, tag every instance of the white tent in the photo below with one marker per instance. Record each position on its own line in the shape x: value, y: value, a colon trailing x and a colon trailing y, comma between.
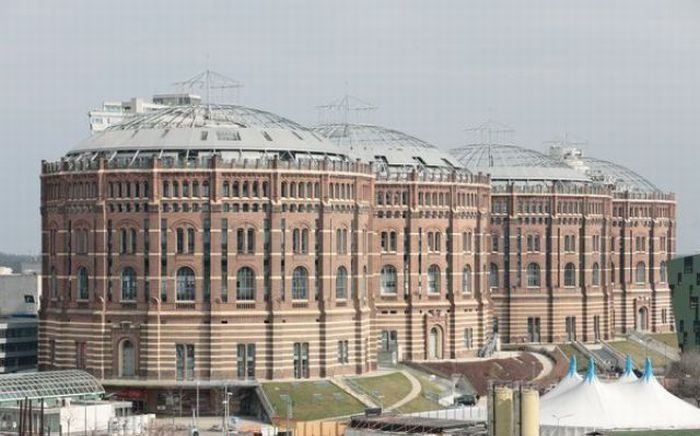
x: 624, y: 404
x: 571, y: 380
x: 628, y: 376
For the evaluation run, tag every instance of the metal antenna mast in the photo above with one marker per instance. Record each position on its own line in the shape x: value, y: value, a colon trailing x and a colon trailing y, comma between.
x: 491, y: 133
x: 345, y: 106
x: 208, y: 80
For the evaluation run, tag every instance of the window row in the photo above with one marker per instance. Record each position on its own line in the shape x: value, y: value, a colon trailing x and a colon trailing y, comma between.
x: 188, y: 189
x: 128, y: 189
x: 244, y: 189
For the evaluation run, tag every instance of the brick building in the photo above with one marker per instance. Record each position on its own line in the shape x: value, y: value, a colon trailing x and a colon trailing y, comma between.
x: 218, y: 242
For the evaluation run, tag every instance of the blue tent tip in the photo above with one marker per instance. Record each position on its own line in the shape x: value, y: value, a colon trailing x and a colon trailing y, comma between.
x: 648, y: 370
x: 629, y: 366
x: 572, y: 366
x: 590, y: 375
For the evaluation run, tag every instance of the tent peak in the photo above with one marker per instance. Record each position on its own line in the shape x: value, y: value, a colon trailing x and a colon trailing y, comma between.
x: 590, y: 375
x: 572, y: 366
x: 629, y: 365
x: 648, y: 370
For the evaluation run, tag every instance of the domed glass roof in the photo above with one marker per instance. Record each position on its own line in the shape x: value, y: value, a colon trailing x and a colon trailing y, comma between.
x: 622, y: 178
x: 390, y: 147
x: 513, y: 163
x: 214, y: 128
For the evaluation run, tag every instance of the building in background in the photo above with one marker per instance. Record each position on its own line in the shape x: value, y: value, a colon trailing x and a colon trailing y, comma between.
x: 684, y: 279
x: 20, y: 295
x: 200, y: 244
x: 115, y: 112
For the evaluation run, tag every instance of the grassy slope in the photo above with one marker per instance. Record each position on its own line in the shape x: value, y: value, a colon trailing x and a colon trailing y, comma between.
x: 429, y: 389
x: 581, y: 360
x: 328, y: 401
x: 669, y: 339
x: 385, y: 389
x: 638, y: 353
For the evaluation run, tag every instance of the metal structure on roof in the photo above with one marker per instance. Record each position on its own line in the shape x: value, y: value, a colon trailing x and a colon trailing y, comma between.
x: 49, y: 384
x: 386, y: 147
x: 213, y: 128
x: 622, y: 178
x: 506, y: 162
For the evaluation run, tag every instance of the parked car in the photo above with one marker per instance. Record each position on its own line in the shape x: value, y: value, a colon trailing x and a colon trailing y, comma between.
x: 466, y: 400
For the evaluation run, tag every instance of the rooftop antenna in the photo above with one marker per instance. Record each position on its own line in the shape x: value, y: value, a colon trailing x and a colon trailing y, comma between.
x: 345, y: 106
x: 491, y: 133
x: 208, y: 80
x: 566, y: 141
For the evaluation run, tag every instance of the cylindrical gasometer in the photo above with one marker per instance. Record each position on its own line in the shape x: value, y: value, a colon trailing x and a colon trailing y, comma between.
x: 503, y: 411
x: 530, y: 412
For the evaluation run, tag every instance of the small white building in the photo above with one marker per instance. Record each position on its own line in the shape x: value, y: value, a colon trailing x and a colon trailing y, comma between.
x: 114, y: 112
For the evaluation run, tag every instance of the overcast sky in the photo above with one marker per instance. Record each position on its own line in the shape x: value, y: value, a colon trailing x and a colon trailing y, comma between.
x: 623, y: 76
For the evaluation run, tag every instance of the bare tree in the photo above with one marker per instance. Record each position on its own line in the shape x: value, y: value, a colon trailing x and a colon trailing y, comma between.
x: 688, y: 372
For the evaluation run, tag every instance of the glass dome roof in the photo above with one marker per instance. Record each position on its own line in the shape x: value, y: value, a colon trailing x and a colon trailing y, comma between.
x: 387, y: 146
x: 622, y: 178
x: 212, y: 128
x: 513, y: 163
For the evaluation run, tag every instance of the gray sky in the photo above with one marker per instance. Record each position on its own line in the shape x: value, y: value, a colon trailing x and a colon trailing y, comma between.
x: 624, y: 76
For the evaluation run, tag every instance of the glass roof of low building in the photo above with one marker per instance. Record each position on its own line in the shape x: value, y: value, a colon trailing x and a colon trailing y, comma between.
x: 386, y: 146
x: 49, y: 384
x: 513, y: 163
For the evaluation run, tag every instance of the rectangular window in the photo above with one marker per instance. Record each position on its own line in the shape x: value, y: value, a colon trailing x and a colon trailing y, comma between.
x: 185, y: 361
x: 190, y: 241
x: 180, y: 241
x: 245, y: 360
x: 80, y: 355
x: 469, y: 338
x: 343, y: 352
x: 301, y: 360
x: 240, y: 241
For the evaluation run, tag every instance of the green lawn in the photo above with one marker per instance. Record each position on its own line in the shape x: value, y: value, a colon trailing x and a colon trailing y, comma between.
x: 386, y: 389
x: 311, y: 400
x: 581, y: 359
x: 669, y: 339
x: 424, y: 401
x: 638, y: 353
x: 656, y: 433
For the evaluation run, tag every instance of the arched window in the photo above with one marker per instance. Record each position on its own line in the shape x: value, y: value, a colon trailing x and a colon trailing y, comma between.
x: 569, y: 275
x: 467, y: 279
x: 662, y: 272
x: 533, y: 275
x: 185, y: 284
x: 341, y: 283
x: 595, y: 275
x: 434, y: 279
x: 640, y: 273
x: 388, y: 280
x: 493, y: 276
x: 83, y: 292
x: 245, y: 284
x: 128, y: 280
x: 300, y: 284
x: 127, y: 359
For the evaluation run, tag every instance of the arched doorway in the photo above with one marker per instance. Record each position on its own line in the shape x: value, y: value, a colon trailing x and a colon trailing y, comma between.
x: 127, y: 359
x: 435, y: 343
x: 643, y: 319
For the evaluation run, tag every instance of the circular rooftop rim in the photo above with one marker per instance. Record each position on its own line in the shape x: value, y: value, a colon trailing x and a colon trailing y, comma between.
x: 393, y: 148
x: 213, y: 128
x: 514, y: 163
